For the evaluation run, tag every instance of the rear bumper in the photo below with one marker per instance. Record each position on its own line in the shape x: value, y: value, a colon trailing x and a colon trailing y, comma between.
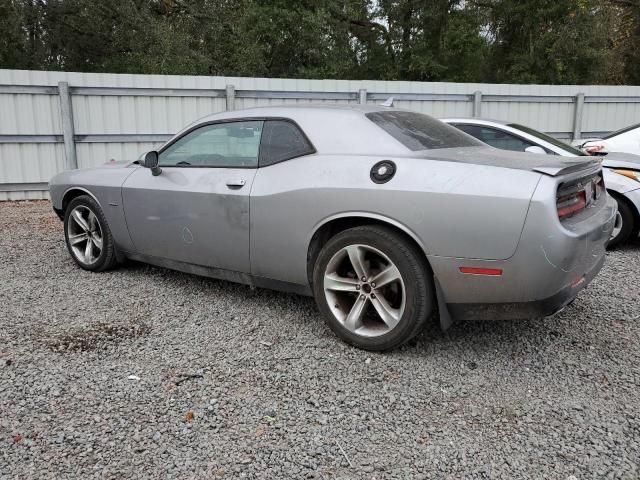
x: 552, y: 263
x: 522, y: 310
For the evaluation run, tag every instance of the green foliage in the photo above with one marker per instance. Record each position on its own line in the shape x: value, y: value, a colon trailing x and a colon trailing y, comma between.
x: 515, y: 41
x: 626, y: 45
x: 550, y: 41
x: 12, y: 39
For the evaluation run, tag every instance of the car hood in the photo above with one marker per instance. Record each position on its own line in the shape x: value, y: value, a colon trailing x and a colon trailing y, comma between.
x: 621, y: 160
x: 552, y: 165
x: 117, y: 163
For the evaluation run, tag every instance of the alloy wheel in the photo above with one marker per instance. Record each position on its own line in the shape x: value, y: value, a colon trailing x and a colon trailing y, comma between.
x: 85, y: 235
x: 365, y: 290
x: 617, y: 227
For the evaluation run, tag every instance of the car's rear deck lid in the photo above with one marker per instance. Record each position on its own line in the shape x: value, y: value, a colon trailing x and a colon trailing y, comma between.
x: 552, y: 165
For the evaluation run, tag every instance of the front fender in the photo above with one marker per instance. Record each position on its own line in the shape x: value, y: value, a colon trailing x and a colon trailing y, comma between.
x: 104, y: 185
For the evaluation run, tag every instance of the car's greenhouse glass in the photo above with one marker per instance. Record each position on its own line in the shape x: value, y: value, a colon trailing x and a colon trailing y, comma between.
x: 232, y: 144
x: 548, y: 138
x: 421, y: 132
x: 282, y: 140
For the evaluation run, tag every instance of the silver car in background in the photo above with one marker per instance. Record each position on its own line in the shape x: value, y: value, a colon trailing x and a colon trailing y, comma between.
x: 385, y: 216
x: 621, y: 172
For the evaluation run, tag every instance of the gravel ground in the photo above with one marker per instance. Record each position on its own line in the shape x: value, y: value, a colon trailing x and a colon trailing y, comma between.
x: 143, y: 372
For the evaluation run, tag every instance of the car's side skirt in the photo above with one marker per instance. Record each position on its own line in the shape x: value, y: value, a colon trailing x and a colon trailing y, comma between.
x: 221, y: 274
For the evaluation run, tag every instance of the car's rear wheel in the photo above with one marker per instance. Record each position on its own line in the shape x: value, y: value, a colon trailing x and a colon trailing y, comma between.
x: 625, y: 225
x: 373, y: 287
x: 87, y: 235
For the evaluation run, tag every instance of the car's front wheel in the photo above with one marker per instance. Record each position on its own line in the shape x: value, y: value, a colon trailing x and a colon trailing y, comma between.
x: 87, y: 235
x: 373, y: 287
x: 625, y: 225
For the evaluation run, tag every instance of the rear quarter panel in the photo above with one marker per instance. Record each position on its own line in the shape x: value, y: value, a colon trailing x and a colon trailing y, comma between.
x: 451, y: 209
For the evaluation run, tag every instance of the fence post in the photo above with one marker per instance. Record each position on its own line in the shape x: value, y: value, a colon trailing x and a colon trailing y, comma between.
x: 68, y: 133
x: 477, y: 103
x: 362, y: 96
x: 231, y: 97
x: 577, y: 116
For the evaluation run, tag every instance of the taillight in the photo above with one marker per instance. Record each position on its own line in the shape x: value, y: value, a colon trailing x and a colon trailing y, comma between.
x: 575, y: 196
x: 571, y: 204
x: 595, y: 149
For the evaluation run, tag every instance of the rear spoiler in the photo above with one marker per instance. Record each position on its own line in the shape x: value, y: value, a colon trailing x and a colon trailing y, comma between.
x: 586, y: 165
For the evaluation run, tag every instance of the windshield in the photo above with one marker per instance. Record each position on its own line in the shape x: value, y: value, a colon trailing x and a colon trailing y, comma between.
x: 548, y: 138
x: 621, y: 131
x: 421, y: 132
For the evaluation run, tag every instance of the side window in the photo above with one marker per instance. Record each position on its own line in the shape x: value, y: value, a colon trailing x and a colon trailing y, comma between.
x: 282, y: 140
x: 496, y: 138
x: 232, y: 144
x: 472, y: 130
x: 503, y: 140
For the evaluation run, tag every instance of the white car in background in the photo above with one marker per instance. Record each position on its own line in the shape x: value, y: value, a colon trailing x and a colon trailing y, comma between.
x: 626, y: 140
x: 621, y: 172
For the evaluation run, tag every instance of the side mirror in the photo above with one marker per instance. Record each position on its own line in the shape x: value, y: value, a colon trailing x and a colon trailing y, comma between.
x: 535, y: 149
x: 151, y: 162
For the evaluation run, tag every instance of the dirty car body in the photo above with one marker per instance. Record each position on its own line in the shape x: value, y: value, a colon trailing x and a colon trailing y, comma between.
x: 485, y: 222
x: 621, y: 171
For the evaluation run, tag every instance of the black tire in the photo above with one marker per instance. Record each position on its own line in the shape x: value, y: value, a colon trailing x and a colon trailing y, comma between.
x: 106, y: 259
x: 416, y: 277
x: 629, y: 224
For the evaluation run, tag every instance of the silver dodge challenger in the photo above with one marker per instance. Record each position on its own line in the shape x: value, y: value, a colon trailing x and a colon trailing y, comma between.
x: 385, y: 216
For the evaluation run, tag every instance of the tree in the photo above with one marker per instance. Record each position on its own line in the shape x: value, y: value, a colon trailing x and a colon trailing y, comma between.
x: 548, y: 41
x: 626, y: 38
x: 12, y: 38
x: 519, y: 41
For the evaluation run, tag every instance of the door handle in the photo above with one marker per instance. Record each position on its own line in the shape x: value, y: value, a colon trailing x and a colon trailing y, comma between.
x: 236, y: 183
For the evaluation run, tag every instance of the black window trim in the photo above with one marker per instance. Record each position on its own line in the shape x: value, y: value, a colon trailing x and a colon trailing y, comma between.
x: 236, y: 120
x: 492, y: 127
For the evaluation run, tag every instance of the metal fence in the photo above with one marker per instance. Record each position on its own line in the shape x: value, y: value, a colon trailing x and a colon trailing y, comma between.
x: 50, y: 121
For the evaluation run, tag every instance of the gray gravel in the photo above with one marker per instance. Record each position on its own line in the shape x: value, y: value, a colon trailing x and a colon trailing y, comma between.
x: 147, y: 373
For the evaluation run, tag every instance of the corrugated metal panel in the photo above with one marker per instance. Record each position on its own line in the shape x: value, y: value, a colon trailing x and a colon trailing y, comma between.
x: 34, y: 109
x: 30, y: 162
x: 95, y: 154
x: 23, y: 195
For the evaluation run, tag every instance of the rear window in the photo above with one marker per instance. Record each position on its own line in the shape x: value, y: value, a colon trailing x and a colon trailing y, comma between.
x: 421, y: 132
x: 282, y: 140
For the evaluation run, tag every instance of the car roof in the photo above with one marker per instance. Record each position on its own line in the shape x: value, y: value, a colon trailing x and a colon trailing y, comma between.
x: 476, y: 120
x: 296, y: 110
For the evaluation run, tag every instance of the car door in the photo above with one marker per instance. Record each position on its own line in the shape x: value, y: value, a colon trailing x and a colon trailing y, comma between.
x: 197, y: 209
